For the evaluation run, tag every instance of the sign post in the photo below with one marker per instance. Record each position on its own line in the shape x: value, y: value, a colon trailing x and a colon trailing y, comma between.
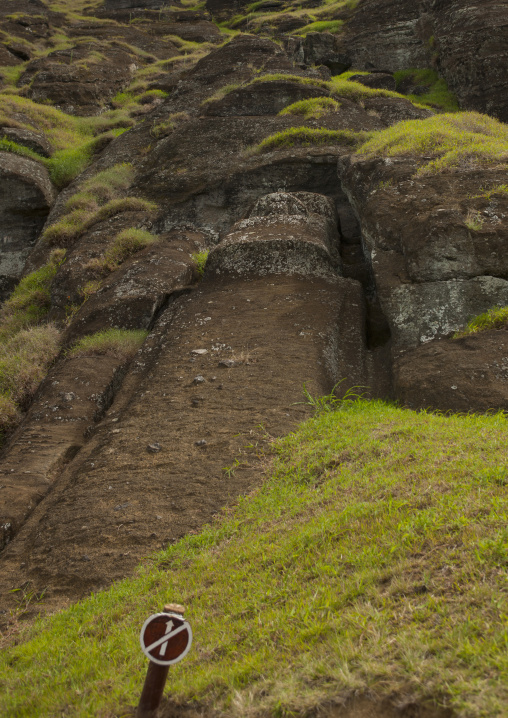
x: 165, y: 639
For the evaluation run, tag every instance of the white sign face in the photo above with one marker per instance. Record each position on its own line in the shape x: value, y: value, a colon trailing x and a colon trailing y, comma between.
x: 165, y: 638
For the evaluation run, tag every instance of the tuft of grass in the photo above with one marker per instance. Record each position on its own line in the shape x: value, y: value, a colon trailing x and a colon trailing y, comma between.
x: 222, y: 92
x: 314, y: 108
x: 125, y: 244
x: 96, y: 200
x: 30, y: 301
x: 474, y: 220
x: 372, y: 560
x: 24, y: 360
x: 460, y: 139
x: 120, y: 343
x: 495, y: 318
x: 65, y: 165
x: 200, y: 259
x: 165, y: 128
x: 306, y: 136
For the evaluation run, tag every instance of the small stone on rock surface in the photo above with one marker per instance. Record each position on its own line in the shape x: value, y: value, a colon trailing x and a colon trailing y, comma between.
x: 198, y: 379
x: 199, y: 352
x: 227, y: 362
x: 153, y: 448
x: 201, y: 442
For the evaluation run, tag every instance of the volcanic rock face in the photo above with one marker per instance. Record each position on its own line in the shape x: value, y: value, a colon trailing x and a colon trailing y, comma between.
x: 325, y: 268
x: 232, y: 355
x: 466, y: 40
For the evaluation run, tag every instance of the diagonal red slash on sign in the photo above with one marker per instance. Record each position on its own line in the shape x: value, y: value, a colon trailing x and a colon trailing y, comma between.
x: 166, y: 637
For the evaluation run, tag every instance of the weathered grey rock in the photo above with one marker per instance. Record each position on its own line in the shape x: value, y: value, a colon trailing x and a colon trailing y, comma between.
x: 419, y: 313
x: 263, y: 98
x: 284, y: 234
x: 319, y: 48
x: 35, y: 141
x: 26, y: 198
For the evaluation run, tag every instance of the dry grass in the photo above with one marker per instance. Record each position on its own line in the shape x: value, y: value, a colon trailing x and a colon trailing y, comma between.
x: 27, y: 345
x: 120, y: 343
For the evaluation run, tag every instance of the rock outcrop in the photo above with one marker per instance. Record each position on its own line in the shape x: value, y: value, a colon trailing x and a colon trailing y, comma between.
x: 466, y: 40
x: 26, y: 199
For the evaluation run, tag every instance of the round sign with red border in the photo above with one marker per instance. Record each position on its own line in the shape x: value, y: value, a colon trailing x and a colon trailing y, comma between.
x: 165, y: 638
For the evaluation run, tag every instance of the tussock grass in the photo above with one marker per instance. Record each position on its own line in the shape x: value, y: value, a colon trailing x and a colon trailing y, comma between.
x: 495, y: 318
x: 124, y: 245
x: 474, y: 220
x: 305, y: 137
x: 313, y: 108
x: 27, y: 346
x: 453, y: 140
x: 30, y: 300
x: 373, y: 558
x: 120, y: 343
x: 96, y: 200
x: 24, y: 360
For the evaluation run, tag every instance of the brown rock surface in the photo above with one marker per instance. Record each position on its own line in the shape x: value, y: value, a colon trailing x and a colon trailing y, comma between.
x: 219, y: 363
x: 467, y: 375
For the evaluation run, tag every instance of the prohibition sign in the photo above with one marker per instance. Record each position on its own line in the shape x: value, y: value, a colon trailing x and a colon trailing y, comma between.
x: 165, y: 638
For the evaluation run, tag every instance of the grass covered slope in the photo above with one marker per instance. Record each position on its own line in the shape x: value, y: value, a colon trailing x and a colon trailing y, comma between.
x: 374, y: 558
x: 458, y: 139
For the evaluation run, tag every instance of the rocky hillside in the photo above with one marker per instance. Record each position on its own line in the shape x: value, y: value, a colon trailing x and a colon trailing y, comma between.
x: 206, y: 209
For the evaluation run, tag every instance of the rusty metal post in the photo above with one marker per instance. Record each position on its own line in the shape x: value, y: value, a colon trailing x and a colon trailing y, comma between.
x: 155, y: 679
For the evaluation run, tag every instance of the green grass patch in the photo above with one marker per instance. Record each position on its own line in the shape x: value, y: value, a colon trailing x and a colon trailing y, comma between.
x: 321, y: 26
x: 338, y: 85
x: 313, y: 108
x: 30, y: 301
x: 72, y: 138
x: 200, y: 259
x: 495, y: 318
x: 460, y: 139
x: 373, y: 559
x: 500, y: 189
x: 438, y: 95
x: 10, y: 146
x: 120, y: 343
x: 306, y: 137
